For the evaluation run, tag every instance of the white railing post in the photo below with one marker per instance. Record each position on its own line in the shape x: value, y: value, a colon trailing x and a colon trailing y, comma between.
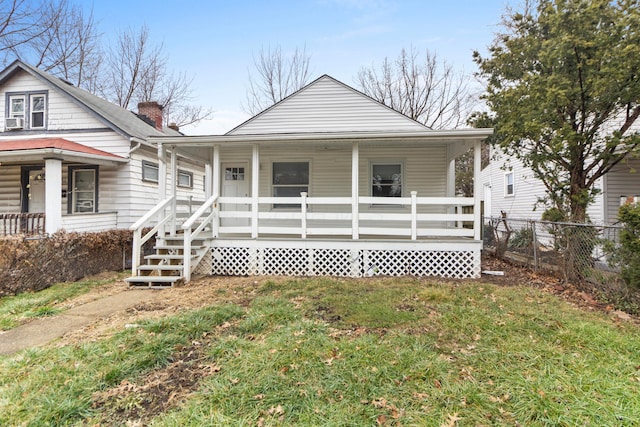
x: 174, y: 190
x: 303, y: 215
x: 355, y: 194
x: 215, y: 220
x: 136, y: 248
x: 186, y: 263
x: 255, y: 187
x: 477, y: 188
x: 414, y: 215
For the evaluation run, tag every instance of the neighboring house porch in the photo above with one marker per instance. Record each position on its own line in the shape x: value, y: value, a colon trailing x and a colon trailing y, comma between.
x: 66, y: 173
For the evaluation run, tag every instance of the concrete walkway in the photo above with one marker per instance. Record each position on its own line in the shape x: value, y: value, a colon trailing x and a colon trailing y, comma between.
x: 41, y: 331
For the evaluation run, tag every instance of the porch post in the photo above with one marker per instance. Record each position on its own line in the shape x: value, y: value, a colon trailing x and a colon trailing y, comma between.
x: 255, y: 172
x: 216, y: 187
x: 53, y: 195
x: 162, y: 183
x: 215, y: 161
x: 173, y: 181
x: 477, y: 188
x: 355, y: 193
x: 207, y: 176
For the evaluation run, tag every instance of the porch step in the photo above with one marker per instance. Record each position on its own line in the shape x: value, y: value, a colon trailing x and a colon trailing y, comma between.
x: 161, y: 267
x: 153, y: 281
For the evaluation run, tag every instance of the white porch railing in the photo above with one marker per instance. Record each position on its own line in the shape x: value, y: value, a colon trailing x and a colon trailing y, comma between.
x: 303, y: 221
x: 156, y: 215
x: 208, y: 208
x: 402, y: 217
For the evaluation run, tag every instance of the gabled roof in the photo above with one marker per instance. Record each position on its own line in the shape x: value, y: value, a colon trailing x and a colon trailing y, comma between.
x: 113, y: 116
x: 327, y: 105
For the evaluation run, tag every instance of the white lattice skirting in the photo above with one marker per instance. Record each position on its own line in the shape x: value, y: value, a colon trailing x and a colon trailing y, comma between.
x: 444, y: 259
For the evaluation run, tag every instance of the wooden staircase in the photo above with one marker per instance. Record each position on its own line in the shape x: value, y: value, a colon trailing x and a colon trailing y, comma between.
x: 165, y: 267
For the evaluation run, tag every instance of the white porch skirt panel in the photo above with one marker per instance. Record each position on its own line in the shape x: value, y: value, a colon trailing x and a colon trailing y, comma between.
x: 450, y: 259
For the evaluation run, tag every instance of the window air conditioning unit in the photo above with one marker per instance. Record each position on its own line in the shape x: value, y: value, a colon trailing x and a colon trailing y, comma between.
x: 12, y: 123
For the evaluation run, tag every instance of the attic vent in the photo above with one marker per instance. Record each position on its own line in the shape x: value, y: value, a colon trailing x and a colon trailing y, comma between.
x: 12, y: 123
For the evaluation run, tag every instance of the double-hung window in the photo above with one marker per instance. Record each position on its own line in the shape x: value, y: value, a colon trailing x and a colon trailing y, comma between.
x: 16, y: 106
x: 289, y: 179
x: 149, y: 171
x: 37, y: 111
x: 83, y: 189
x: 508, y: 184
x: 386, y: 179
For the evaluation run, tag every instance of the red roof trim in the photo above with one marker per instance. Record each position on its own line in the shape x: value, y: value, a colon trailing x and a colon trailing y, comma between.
x: 57, y: 143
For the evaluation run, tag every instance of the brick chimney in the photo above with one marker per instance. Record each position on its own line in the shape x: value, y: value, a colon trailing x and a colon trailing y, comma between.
x: 153, y: 111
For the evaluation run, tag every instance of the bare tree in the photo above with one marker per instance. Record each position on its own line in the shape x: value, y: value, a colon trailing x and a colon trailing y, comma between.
x: 277, y: 77
x: 137, y: 71
x: 69, y: 44
x: 19, y: 24
x: 425, y: 89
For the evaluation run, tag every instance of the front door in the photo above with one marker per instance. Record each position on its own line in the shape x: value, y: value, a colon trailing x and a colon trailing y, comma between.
x: 235, y: 183
x: 33, y: 190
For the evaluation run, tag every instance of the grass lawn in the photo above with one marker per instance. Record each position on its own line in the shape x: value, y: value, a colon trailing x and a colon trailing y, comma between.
x: 338, y: 352
x: 17, y: 309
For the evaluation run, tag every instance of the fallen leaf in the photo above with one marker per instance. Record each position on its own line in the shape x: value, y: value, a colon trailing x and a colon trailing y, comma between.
x: 452, y: 420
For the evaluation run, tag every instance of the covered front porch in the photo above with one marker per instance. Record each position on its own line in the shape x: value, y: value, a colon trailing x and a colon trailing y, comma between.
x: 318, y: 204
x: 50, y: 184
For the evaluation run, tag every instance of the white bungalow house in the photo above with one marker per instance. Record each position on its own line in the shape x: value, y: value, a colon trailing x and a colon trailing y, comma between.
x: 510, y: 187
x: 326, y: 182
x: 71, y: 160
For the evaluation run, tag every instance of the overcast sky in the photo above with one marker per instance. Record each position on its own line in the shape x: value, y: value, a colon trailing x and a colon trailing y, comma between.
x: 215, y: 41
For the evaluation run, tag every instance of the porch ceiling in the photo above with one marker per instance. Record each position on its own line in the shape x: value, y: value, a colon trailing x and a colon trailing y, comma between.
x: 31, y: 150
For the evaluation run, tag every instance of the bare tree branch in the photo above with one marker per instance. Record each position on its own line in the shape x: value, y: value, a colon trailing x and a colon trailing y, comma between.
x: 426, y: 90
x: 277, y: 77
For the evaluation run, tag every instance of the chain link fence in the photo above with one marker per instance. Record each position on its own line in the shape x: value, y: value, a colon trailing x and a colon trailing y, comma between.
x: 573, y: 252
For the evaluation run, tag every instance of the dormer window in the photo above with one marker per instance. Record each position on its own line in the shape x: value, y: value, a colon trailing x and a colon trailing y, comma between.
x: 28, y: 109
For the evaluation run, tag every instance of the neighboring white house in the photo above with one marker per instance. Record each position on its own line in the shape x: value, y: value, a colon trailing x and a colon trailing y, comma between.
x: 509, y: 186
x: 326, y: 182
x: 76, y: 161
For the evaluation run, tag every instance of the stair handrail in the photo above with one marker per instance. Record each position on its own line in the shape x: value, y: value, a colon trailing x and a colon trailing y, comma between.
x: 138, y: 226
x: 189, y: 235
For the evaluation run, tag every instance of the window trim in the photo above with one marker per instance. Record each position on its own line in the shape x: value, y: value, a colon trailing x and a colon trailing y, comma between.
x: 71, y: 193
x: 508, y: 193
x: 387, y: 163
x: 148, y: 163
x: 293, y: 206
x: 184, y: 173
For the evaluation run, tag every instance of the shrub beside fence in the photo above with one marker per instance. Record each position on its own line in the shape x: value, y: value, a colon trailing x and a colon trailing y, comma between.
x: 35, y: 263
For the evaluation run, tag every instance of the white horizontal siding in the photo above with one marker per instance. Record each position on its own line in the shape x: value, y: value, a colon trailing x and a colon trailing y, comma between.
x: 326, y: 105
x: 623, y: 180
x: 90, y: 222
x: 62, y: 113
x: 523, y: 204
x: 9, y: 189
